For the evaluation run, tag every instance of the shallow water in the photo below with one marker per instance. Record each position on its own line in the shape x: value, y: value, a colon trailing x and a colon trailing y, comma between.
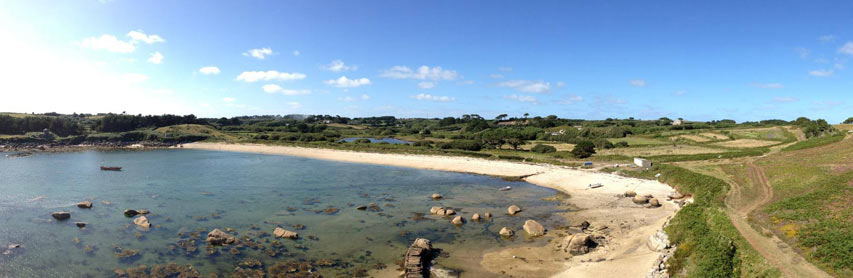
x: 374, y: 140
x: 190, y: 192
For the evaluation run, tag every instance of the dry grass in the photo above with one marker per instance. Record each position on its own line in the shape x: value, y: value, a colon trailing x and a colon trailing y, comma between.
x: 358, y: 127
x: 561, y: 147
x: 844, y: 127
x: 745, y: 143
x: 714, y: 136
x: 660, y: 150
x: 194, y: 129
x: 764, y: 133
x: 694, y: 138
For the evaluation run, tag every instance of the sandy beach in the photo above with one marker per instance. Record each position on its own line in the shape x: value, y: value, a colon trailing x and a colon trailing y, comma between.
x: 626, y: 226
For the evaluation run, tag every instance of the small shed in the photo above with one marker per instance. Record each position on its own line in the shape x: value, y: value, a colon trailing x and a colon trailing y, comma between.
x: 642, y: 162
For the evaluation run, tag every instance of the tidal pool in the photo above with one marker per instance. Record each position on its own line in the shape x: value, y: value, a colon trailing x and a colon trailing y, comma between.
x: 191, y: 192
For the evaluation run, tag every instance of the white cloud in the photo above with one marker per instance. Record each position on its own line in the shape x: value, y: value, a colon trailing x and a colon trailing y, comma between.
x: 521, y: 98
x: 296, y: 53
x: 254, y: 76
x: 344, y: 82
x: 273, y: 88
x: 109, y: 43
x: 260, y: 53
x: 364, y: 97
x: 422, y: 73
x: 827, y: 38
x: 784, y: 99
x: 429, y: 97
x: 139, y: 35
x: 426, y: 85
x: 847, y: 48
x: 679, y: 93
x: 228, y: 99
x: 156, y: 58
x: 637, y: 82
x: 560, y: 84
x: 821, y: 73
x: 338, y: 66
x: 209, y: 70
x: 527, y: 86
x: 767, y: 85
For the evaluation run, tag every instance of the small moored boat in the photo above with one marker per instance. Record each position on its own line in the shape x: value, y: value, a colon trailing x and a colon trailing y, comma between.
x: 110, y: 168
x: 595, y: 185
x: 505, y: 188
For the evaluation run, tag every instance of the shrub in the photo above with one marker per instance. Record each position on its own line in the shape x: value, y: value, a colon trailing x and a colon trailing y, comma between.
x: 583, y: 149
x: 601, y: 143
x: 467, y: 145
x: 621, y: 144
x: 539, y: 148
x: 422, y: 143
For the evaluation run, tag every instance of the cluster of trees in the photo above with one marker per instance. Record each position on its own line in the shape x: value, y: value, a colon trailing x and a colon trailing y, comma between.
x: 848, y: 121
x: 62, y: 126
x: 122, y: 123
x: 813, y: 128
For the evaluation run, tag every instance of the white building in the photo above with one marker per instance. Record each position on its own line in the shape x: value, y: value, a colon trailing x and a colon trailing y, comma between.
x: 642, y: 162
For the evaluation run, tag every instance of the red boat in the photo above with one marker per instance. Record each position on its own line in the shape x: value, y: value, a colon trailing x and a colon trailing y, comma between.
x: 105, y: 168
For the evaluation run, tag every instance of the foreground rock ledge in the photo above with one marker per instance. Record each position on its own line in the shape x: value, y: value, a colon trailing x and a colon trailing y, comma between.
x: 417, y: 259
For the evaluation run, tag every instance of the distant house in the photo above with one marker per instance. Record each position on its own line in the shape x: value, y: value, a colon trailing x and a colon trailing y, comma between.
x: 677, y: 122
x: 642, y: 162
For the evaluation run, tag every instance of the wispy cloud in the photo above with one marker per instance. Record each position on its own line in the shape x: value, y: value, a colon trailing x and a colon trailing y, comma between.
x: 847, y: 48
x: 827, y: 38
x: 296, y: 53
x: 522, y: 98
x: 228, y: 99
x: 422, y: 73
x: 210, y: 70
x: 254, y: 76
x: 344, y: 82
x: 803, y: 52
x: 679, y: 93
x: 767, y: 85
x: 273, y: 88
x: 352, y: 99
x: 259, y: 53
x: 527, y: 86
x: 140, y: 36
x: 571, y: 99
x: 637, y: 82
x: 156, y: 58
x: 426, y: 85
x: 821, y: 72
x: 339, y: 66
x: 784, y: 99
x: 428, y: 97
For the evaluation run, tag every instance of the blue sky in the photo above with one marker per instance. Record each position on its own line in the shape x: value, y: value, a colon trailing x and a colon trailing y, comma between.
x: 575, y: 59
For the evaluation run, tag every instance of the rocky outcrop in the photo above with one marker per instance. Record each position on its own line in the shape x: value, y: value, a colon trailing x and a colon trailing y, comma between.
x: 61, y: 215
x: 534, y: 228
x: 84, y: 204
x: 282, y: 233
x: 506, y: 232
x: 458, y: 220
x: 441, y: 211
x: 418, y: 256
x: 513, y: 209
x: 218, y: 237
x: 142, y: 222
x: 659, y: 242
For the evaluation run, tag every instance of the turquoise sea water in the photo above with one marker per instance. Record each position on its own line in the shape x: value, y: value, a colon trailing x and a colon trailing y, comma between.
x: 190, y: 192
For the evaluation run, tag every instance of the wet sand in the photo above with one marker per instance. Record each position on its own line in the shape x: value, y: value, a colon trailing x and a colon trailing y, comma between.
x: 625, y: 226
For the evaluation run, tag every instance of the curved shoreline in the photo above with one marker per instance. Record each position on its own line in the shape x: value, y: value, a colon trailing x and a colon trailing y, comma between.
x: 628, y: 226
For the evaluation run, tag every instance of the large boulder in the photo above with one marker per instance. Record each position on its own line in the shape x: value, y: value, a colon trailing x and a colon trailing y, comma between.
x: 506, y: 232
x: 282, y: 233
x: 513, y: 209
x: 61, y: 215
x: 577, y: 244
x: 653, y: 202
x: 84, y: 204
x: 142, y: 221
x: 534, y: 228
x: 640, y: 199
x: 630, y: 193
x: 218, y: 237
x: 440, y: 212
x: 458, y: 220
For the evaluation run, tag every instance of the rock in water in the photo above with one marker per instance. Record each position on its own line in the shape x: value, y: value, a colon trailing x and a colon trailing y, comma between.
x: 143, y: 211
x: 630, y: 193
x: 475, y: 217
x: 436, y: 196
x: 361, y: 207
x: 61, y: 215
x: 449, y: 212
x: 218, y: 237
x: 439, y: 212
x: 80, y: 224
x: 654, y: 203
x: 142, y: 221
x: 488, y: 215
x: 282, y: 233
x: 506, y: 232
x: 130, y: 213
x: 84, y: 204
x: 533, y: 228
x: 458, y: 220
x: 434, y: 210
x: 640, y: 199
x: 418, y: 256
x: 513, y: 209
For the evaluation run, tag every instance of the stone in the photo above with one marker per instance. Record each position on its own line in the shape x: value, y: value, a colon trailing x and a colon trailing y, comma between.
x: 458, y: 220
x: 130, y: 212
x: 577, y: 244
x: 439, y: 212
x: 84, y: 204
x: 448, y: 212
x: 142, y: 221
x: 654, y: 203
x: 506, y: 232
x: 533, y: 228
x: 488, y: 215
x: 218, y: 237
x: 584, y: 225
x: 513, y: 209
x: 361, y: 207
x: 630, y: 193
x: 61, y: 215
x: 436, y: 196
x: 434, y: 210
x: 640, y: 199
x: 417, y: 259
x: 80, y: 224
x: 143, y: 211
x: 475, y: 217
x: 282, y: 233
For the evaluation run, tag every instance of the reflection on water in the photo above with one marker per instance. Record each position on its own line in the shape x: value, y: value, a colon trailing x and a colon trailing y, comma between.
x: 191, y: 192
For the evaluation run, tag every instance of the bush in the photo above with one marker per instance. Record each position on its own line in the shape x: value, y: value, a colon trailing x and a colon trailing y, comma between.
x: 621, y: 144
x: 583, y: 149
x: 601, y: 143
x: 422, y: 143
x: 467, y: 145
x: 510, y: 157
x: 539, y: 148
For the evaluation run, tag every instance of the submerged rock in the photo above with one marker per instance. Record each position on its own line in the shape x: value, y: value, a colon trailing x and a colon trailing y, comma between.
x: 513, y: 209
x: 475, y: 217
x: 534, y: 228
x: 61, y: 215
x: 142, y: 221
x: 488, y: 215
x: 282, y: 233
x: 130, y: 212
x: 506, y: 232
x: 458, y: 220
x: 436, y: 196
x: 80, y: 224
x: 361, y: 207
x: 218, y: 237
x: 84, y: 204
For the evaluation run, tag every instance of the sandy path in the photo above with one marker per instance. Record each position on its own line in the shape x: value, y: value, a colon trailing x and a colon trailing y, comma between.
x: 629, y: 226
